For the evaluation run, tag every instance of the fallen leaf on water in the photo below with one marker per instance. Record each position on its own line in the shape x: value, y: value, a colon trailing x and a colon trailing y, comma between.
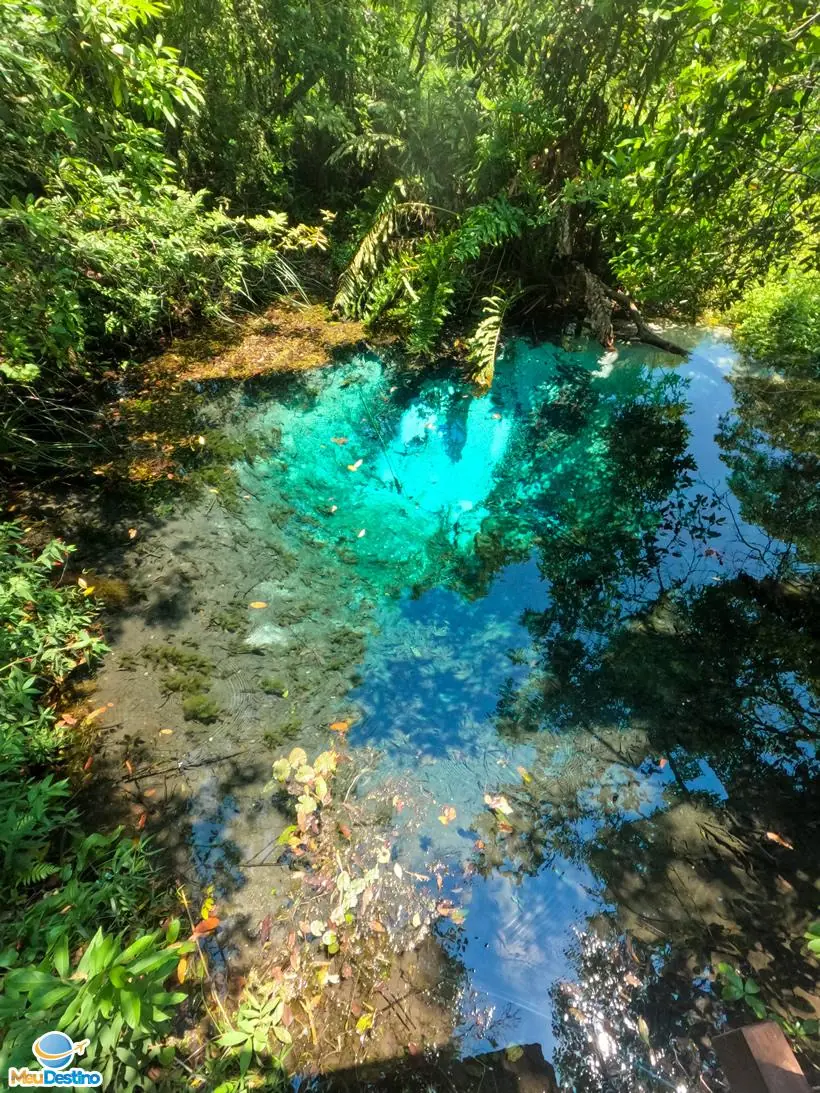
x: 525, y: 774
x: 498, y: 803
x: 345, y: 831
x: 504, y: 828
x: 364, y: 1023
x: 339, y: 439
x: 662, y: 762
x: 67, y: 719
x: 339, y: 726
x: 355, y: 466
x: 182, y: 969
x: 775, y: 838
x: 207, y: 908
x: 448, y: 814
x: 439, y: 881
x: 376, y: 926
x: 166, y: 732
x: 206, y: 926
x: 445, y: 908
x: 257, y: 605
x: 643, y: 1030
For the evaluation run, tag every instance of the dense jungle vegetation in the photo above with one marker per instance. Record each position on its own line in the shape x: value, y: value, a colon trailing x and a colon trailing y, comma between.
x: 440, y: 169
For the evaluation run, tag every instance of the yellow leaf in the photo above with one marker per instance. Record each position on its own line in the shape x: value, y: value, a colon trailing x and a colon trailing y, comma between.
x: 207, y: 907
x: 448, y: 815
x: 166, y: 732
x: 525, y: 774
x: 182, y: 969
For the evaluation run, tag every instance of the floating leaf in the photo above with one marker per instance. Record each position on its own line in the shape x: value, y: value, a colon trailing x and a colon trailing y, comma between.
x: 526, y: 777
x: 304, y: 773
x: 298, y: 757
x: 257, y: 605
x: 207, y: 908
x: 364, y: 1023
x: 340, y: 726
x: 643, y: 1030
x: 206, y: 926
x: 772, y: 836
x: 377, y: 927
x: 166, y: 732
x: 498, y: 803
x: 325, y: 762
x: 182, y: 969
x: 281, y: 770
x: 448, y: 814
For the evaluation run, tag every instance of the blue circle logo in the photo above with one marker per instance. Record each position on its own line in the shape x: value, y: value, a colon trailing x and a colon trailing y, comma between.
x: 54, y: 1050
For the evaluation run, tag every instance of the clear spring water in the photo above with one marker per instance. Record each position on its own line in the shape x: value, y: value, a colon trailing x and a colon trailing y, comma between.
x: 586, y: 592
x: 560, y: 599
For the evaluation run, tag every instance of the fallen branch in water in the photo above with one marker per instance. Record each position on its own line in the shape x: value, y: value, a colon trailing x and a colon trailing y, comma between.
x: 603, y: 327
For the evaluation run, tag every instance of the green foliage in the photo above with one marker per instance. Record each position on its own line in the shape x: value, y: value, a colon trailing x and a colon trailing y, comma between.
x: 45, y: 635
x: 777, y: 323
x: 736, y: 988
x: 114, y: 995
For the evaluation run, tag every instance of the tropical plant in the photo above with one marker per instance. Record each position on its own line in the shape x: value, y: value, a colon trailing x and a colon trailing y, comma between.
x: 46, y: 633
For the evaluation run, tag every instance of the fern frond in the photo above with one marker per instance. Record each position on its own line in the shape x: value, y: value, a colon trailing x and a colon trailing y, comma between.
x: 369, y: 256
x: 484, y: 344
x: 36, y: 873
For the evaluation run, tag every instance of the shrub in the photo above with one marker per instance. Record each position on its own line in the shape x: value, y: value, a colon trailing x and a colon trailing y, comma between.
x: 46, y: 634
x: 777, y: 323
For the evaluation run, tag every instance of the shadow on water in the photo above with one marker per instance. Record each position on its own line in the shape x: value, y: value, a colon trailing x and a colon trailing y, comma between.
x: 574, y: 625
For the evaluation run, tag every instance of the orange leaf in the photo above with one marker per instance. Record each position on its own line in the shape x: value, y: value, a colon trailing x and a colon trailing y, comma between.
x: 340, y: 726
x: 88, y: 762
x: 775, y: 838
x: 142, y: 821
x: 339, y: 439
x: 206, y: 926
x: 128, y: 767
x: 67, y: 719
x: 377, y: 927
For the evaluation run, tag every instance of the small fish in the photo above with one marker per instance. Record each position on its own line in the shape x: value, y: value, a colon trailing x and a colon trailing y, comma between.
x: 339, y: 440
x: 257, y: 605
x: 355, y: 466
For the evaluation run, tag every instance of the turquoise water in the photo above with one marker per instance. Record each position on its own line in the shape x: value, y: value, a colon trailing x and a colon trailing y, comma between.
x: 551, y: 592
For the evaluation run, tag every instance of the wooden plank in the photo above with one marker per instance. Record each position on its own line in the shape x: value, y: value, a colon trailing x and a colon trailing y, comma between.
x: 758, y: 1059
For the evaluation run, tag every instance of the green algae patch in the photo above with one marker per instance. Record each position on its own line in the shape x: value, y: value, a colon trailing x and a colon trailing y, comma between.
x: 287, y: 337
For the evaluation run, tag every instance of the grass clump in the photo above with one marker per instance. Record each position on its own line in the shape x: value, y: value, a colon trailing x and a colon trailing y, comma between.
x: 200, y: 707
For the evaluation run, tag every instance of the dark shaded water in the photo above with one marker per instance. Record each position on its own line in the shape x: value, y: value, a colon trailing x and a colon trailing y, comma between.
x: 579, y: 613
